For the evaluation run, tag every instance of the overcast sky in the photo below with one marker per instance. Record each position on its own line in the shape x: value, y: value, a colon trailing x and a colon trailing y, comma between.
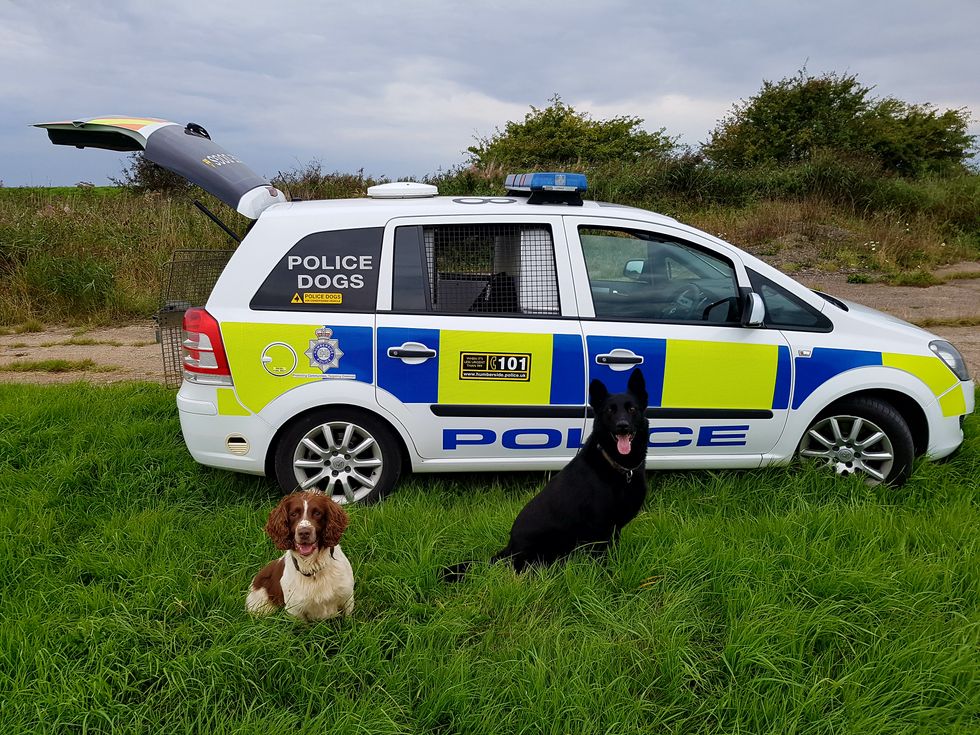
x: 400, y: 88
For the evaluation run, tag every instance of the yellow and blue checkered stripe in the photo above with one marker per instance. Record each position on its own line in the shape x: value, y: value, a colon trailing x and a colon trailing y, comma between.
x: 697, y: 374
x: 825, y: 363
x: 680, y: 374
x: 557, y: 372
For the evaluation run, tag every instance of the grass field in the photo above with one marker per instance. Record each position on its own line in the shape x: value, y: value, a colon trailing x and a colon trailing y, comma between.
x: 775, y: 601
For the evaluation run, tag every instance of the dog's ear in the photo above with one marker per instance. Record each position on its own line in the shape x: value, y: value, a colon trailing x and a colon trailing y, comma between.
x: 597, y: 393
x: 336, y: 523
x: 278, y: 526
x: 638, y: 387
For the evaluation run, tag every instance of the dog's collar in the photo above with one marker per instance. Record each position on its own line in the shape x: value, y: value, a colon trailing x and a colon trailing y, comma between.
x: 296, y: 564
x: 627, y: 471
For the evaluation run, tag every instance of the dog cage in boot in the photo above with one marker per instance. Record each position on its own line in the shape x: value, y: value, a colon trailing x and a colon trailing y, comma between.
x: 186, y: 281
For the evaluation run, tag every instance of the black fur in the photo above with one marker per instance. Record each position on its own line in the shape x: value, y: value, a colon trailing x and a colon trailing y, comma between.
x: 594, y: 496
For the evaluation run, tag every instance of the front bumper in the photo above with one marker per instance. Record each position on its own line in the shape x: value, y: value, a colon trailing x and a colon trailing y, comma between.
x: 946, y: 434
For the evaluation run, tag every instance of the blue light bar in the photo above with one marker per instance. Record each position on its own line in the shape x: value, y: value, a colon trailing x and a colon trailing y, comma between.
x: 546, y: 182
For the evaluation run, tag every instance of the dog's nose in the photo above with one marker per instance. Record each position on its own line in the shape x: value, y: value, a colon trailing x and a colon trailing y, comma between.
x: 305, y: 534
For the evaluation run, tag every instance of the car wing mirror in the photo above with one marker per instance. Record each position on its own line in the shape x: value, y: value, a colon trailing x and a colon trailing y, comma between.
x: 753, y: 311
x: 633, y: 269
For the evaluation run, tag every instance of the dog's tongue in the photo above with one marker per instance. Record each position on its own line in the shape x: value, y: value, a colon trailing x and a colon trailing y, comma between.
x: 306, y: 549
x: 623, y: 443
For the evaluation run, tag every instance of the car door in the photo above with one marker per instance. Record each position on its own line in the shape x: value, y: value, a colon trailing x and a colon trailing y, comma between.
x: 669, y: 302
x: 478, y: 352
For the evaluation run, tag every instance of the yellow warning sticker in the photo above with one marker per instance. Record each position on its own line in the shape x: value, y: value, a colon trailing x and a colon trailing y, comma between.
x: 316, y: 297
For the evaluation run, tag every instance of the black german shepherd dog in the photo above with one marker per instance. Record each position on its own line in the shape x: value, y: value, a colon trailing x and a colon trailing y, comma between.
x: 602, y: 489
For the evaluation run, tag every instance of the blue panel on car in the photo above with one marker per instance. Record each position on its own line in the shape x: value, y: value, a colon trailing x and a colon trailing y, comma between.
x: 784, y: 375
x: 654, y: 354
x: 823, y: 364
x: 408, y: 383
x: 567, y: 371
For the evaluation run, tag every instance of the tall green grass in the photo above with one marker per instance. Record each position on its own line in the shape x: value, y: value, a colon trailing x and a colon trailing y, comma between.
x: 94, y: 255
x: 777, y: 600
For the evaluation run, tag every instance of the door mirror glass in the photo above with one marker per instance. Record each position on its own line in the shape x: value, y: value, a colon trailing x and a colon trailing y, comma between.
x: 633, y: 269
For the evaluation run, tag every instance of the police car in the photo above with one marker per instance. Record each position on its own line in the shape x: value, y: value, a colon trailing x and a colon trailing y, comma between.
x: 349, y: 340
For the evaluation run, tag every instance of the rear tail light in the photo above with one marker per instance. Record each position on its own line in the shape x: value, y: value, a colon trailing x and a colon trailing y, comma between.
x: 203, y: 351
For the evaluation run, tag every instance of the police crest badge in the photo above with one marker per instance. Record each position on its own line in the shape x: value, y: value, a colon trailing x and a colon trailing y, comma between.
x: 324, y: 352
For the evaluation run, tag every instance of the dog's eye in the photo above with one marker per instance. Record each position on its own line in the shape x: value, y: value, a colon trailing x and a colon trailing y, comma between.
x: 316, y: 512
x: 293, y: 513
x: 632, y: 409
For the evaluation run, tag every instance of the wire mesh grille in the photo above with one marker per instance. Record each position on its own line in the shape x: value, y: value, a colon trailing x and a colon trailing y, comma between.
x: 186, y: 281
x: 499, y: 269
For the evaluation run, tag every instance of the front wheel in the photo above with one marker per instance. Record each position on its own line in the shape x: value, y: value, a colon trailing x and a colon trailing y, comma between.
x: 861, y: 435
x: 348, y: 454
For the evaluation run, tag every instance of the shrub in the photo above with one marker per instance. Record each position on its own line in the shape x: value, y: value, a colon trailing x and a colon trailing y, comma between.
x: 311, y: 182
x: 468, y: 181
x: 559, y: 135
x: 142, y: 175
x: 791, y: 120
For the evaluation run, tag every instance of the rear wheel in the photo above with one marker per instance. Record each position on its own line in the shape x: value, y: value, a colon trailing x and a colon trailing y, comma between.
x: 348, y: 454
x: 861, y: 435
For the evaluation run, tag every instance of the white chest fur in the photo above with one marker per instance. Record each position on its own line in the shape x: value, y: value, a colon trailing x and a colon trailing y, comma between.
x: 326, y: 593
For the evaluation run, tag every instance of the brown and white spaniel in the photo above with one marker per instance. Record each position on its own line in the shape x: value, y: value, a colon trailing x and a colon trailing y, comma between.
x: 313, y: 580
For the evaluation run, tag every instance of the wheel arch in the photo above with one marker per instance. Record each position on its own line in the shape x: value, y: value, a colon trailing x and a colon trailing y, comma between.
x: 270, y: 454
x: 909, y: 396
x: 906, y: 405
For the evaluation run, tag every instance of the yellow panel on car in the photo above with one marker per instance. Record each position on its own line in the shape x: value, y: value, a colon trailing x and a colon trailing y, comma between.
x: 269, y: 359
x: 228, y: 404
x: 506, y: 368
x: 954, y: 402
x: 719, y: 375
x: 930, y: 369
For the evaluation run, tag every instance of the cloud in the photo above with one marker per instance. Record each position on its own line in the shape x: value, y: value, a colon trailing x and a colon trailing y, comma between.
x: 402, y: 89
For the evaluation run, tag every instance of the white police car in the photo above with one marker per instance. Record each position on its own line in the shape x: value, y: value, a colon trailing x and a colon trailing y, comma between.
x: 349, y: 339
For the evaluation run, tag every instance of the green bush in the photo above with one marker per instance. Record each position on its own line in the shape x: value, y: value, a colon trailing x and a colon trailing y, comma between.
x: 311, y: 182
x: 791, y: 120
x: 558, y: 134
x: 467, y: 181
x: 954, y: 201
x: 142, y: 175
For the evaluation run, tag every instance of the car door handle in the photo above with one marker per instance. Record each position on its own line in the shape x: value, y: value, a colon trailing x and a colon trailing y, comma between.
x: 411, y: 351
x: 619, y: 356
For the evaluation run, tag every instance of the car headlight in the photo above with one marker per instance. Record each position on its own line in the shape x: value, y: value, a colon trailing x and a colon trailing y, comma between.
x: 951, y: 356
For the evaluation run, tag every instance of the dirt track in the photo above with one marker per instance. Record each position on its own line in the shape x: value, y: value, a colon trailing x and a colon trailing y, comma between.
x: 130, y: 352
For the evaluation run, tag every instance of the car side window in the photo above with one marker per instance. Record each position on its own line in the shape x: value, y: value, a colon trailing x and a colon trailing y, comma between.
x: 493, y: 269
x: 786, y: 311
x: 640, y: 276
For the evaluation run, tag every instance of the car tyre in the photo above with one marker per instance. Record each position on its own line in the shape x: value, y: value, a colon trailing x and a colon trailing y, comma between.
x: 861, y: 435
x: 349, y: 454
